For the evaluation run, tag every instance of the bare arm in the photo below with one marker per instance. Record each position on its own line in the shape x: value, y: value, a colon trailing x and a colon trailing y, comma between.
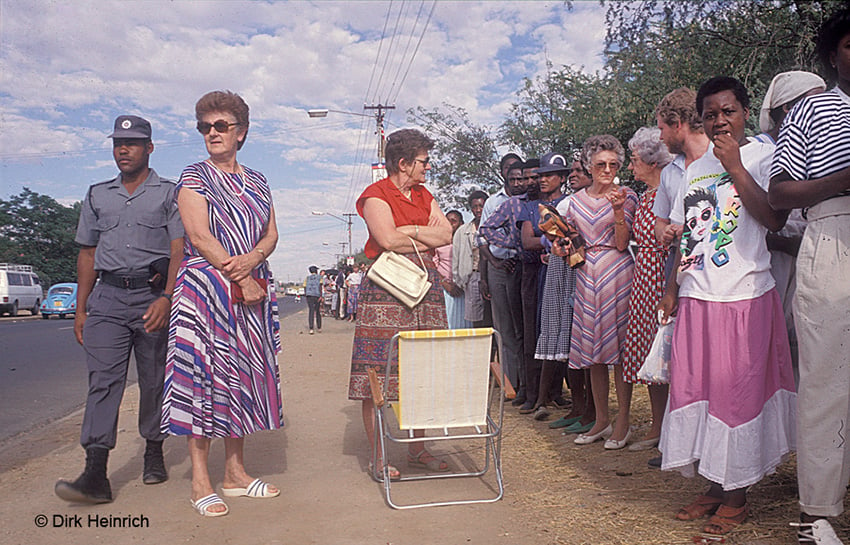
x: 783, y: 195
x: 622, y: 231
x: 239, y: 267
x: 86, y: 278
x: 529, y: 240
x: 379, y: 221
x: 753, y: 197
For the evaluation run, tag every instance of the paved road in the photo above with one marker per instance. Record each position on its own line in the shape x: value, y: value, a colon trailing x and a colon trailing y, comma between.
x: 43, y: 372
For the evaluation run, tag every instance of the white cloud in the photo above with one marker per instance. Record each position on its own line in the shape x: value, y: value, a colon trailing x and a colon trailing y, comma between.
x: 91, y: 60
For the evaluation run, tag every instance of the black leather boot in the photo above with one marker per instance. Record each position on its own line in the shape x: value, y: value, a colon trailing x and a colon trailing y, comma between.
x: 92, y: 486
x: 154, y: 471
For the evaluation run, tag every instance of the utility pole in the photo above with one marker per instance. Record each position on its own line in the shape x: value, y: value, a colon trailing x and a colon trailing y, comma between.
x: 348, y: 216
x: 379, y: 118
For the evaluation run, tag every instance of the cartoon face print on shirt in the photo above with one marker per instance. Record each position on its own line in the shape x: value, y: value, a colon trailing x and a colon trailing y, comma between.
x: 709, y: 224
x: 700, y: 214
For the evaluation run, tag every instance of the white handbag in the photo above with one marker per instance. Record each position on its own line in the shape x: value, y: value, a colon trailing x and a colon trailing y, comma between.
x: 400, y: 277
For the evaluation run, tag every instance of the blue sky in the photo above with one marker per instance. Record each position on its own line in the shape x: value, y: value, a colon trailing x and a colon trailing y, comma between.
x: 68, y: 68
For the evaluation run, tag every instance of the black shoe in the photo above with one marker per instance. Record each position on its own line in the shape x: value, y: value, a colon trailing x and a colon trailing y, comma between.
x: 518, y: 400
x: 154, y: 472
x: 654, y: 462
x: 527, y: 407
x: 92, y: 486
x: 562, y: 403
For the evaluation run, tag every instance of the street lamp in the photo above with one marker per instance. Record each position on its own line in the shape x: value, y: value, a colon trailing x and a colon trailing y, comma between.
x: 346, y: 220
x: 380, y: 109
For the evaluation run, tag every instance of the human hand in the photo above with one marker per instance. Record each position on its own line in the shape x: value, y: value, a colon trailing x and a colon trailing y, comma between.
x: 561, y: 247
x: 156, y: 316
x: 79, y: 323
x: 617, y: 197
x: 671, y: 233
x: 252, y: 292
x: 667, y: 307
x: 238, y: 267
x: 484, y: 289
x: 728, y: 151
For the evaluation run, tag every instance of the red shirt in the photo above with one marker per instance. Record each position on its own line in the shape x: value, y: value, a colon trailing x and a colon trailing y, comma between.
x: 413, y: 211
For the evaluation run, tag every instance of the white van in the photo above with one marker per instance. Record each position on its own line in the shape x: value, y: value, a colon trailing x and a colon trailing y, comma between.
x: 20, y: 288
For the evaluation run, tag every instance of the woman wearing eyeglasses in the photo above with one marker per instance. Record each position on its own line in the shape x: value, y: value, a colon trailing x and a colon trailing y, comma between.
x: 402, y: 216
x: 222, y: 378
x: 603, y: 213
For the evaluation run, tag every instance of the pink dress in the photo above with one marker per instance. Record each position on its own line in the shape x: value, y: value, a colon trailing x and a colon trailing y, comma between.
x: 603, y: 283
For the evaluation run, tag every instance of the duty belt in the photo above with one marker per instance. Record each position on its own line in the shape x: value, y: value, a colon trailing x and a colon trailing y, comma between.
x: 126, y: 282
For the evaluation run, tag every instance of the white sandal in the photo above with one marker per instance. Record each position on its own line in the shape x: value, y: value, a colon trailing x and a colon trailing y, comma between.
x: 202, y: 506
x: 257, y: 489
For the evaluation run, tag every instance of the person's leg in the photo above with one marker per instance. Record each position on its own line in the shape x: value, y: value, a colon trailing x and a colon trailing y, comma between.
x: 599, y: 383
x: 319, y: 303
x: 528, y: 304
x: 504, y: 324
x: 311, y: 311
x: 822, y: 318
x: 624, y: 402
x: 150, y: 349
x: 199, y: 453
x: 658, y: 402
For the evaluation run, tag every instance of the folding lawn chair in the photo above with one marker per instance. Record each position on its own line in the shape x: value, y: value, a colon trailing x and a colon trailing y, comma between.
x: 445, y: 389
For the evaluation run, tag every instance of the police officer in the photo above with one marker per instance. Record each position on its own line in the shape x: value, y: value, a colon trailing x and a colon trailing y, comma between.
x: 129, y: 228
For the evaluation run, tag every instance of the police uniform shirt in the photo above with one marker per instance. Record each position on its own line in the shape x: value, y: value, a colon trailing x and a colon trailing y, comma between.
x: 129, y: 231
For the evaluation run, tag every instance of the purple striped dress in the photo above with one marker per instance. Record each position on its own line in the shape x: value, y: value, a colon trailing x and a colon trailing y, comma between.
x: 603, y: 283
x: 221, y: 376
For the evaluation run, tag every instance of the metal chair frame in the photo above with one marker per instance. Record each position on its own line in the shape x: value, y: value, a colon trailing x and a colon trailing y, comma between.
x: 491, y: 434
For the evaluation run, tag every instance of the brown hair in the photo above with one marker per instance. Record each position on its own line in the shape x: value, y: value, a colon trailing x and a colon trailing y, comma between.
x: 224, y: 101
x: 680, y: 106
x: 405, y: 144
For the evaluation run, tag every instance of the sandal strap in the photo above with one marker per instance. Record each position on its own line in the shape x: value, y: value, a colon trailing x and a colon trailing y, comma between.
x: 207, y: 501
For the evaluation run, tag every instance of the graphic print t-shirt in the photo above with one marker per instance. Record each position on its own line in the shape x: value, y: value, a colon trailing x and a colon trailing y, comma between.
x: 724, y: 254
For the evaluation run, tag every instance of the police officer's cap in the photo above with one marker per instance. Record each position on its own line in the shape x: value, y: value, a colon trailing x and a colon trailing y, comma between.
x: 131, y: 126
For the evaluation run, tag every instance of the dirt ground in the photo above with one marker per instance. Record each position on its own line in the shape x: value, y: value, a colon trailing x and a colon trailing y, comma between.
x: 556, y: 492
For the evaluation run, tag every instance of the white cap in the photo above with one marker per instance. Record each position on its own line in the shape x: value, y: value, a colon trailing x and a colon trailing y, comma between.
x: 784, y: 88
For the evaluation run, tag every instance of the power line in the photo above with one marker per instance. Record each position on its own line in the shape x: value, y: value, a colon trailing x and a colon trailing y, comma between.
x: 415, y: 51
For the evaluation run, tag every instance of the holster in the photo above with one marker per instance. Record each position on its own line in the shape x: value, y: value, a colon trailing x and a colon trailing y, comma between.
x: 158, y: 273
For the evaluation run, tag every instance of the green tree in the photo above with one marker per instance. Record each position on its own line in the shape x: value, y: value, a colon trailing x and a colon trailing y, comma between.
x: 655, y: 46
x: 36, y: 230
x: 464, y: 157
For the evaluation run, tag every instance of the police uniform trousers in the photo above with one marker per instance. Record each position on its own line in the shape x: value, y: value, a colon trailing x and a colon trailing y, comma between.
x: 822, y: 318
x: 115, y: 328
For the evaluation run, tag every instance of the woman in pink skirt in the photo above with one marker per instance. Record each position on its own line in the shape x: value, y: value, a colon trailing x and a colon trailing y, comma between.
x: 731, y: 411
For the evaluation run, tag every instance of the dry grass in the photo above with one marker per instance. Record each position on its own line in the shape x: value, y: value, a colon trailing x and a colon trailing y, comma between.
x: 577, y: 495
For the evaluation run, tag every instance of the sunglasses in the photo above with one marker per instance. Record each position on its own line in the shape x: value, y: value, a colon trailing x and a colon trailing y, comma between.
x: 221, y: 126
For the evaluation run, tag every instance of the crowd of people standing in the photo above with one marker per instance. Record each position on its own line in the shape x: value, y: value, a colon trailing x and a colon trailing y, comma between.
x: 178, y: 274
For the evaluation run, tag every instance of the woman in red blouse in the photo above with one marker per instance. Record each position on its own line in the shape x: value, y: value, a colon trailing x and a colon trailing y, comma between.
x: 399, y: 213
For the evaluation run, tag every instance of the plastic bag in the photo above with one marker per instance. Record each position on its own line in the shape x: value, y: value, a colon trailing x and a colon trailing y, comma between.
x: 656, y: 367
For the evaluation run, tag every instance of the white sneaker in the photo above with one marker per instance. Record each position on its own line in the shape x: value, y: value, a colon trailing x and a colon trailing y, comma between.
x: 819, y: 531
x: 311, y: 332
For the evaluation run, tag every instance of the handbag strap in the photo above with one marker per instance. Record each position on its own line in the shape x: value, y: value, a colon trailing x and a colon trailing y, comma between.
x: 418, y: 254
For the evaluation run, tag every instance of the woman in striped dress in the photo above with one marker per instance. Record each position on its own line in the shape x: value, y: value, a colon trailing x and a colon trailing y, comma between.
x: 222, y: 377
x: 603, y: 213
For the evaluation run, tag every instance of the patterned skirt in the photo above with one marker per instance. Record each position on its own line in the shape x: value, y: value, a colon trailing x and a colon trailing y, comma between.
x: 379, y: 317
x: 556, y: 312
